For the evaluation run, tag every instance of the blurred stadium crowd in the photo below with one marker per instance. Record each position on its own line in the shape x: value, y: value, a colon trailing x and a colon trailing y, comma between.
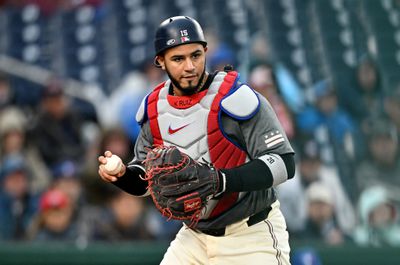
x: 73, y: 73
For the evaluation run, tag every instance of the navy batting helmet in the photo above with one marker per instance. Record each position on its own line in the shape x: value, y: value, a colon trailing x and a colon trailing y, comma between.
x: 176, y: 31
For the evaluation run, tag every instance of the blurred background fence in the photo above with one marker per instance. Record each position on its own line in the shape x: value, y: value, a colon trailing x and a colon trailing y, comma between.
x: 150, y: 253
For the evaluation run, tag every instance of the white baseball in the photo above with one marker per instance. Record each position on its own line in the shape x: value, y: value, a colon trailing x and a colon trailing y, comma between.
x: 114, y: 165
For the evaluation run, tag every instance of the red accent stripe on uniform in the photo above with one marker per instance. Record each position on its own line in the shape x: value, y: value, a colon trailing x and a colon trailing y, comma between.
x: 152, y: 113
x: 223, y: 153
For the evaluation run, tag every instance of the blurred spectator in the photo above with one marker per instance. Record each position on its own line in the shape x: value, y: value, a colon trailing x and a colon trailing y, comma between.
x: 263, y: 80
x: 86, y: 109
x: 392, y: 106
x: 260, y: 47
x: 16, y: 91
x: 292, y: 93
x: 17, y: 204
x: 311, y: 169
x: 292, y: 197
x: 327, y: 113
x: 131, y: 92
x: 14, y: 141
x: 123, y: 219
x: 56, y: 220
x: 125, y: 100
x: 382, y: 164
x: 333, y: 129
x: 365, y: 98
x: 287, y: 86
x: 58, y: 129
x: 115, y: 140
x: 305, y: 256
x: 67, y: 178
x: 321, y: 219
x: 49, y: 7
x: 162, y: 228
x: 261, y: 51
x: 379, y: 223
x: 221, y: 56
x: 6, y: 93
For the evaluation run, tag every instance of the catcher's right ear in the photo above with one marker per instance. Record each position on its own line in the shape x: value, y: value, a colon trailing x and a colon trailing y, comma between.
x: 141, y: 114
x: 160, y: 61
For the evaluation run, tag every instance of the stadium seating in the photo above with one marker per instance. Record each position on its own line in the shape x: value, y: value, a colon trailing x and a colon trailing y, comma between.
x: 99, y: 44
x: 384, y: 21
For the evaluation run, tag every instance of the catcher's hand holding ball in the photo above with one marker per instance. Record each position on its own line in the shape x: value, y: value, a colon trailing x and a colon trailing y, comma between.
x: 111, y: 167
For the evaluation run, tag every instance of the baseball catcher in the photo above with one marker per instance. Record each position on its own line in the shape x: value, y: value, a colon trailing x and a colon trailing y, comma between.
x: 210, y: 152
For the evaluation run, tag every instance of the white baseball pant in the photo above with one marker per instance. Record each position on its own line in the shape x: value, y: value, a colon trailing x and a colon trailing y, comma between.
x: 266, y: 242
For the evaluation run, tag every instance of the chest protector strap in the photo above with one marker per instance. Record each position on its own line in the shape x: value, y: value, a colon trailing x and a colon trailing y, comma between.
x: 153, y: 113
x: 223, y: 153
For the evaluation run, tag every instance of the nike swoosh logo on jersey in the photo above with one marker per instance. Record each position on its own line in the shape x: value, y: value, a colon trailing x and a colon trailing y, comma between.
x: 172, y: 131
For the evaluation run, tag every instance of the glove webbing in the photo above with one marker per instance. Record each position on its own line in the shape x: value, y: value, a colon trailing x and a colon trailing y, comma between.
x: 195, y: 217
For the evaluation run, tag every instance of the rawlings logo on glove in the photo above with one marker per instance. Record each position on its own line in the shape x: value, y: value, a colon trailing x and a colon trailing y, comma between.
x: 180, y: 186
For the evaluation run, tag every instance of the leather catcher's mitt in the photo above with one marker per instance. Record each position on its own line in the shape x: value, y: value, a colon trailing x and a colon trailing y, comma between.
x: 180, y: 186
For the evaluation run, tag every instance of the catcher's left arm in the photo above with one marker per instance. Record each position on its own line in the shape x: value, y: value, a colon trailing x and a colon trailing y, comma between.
x: 180, y: 186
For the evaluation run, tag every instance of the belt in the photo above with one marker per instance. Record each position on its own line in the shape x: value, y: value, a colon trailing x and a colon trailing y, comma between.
x: 254, y: 219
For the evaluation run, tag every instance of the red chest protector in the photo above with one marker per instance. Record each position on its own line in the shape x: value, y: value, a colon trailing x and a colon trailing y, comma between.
x: 223, y: 153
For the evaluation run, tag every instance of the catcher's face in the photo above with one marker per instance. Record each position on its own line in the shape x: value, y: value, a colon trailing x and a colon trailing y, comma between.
x: 185, y: 66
